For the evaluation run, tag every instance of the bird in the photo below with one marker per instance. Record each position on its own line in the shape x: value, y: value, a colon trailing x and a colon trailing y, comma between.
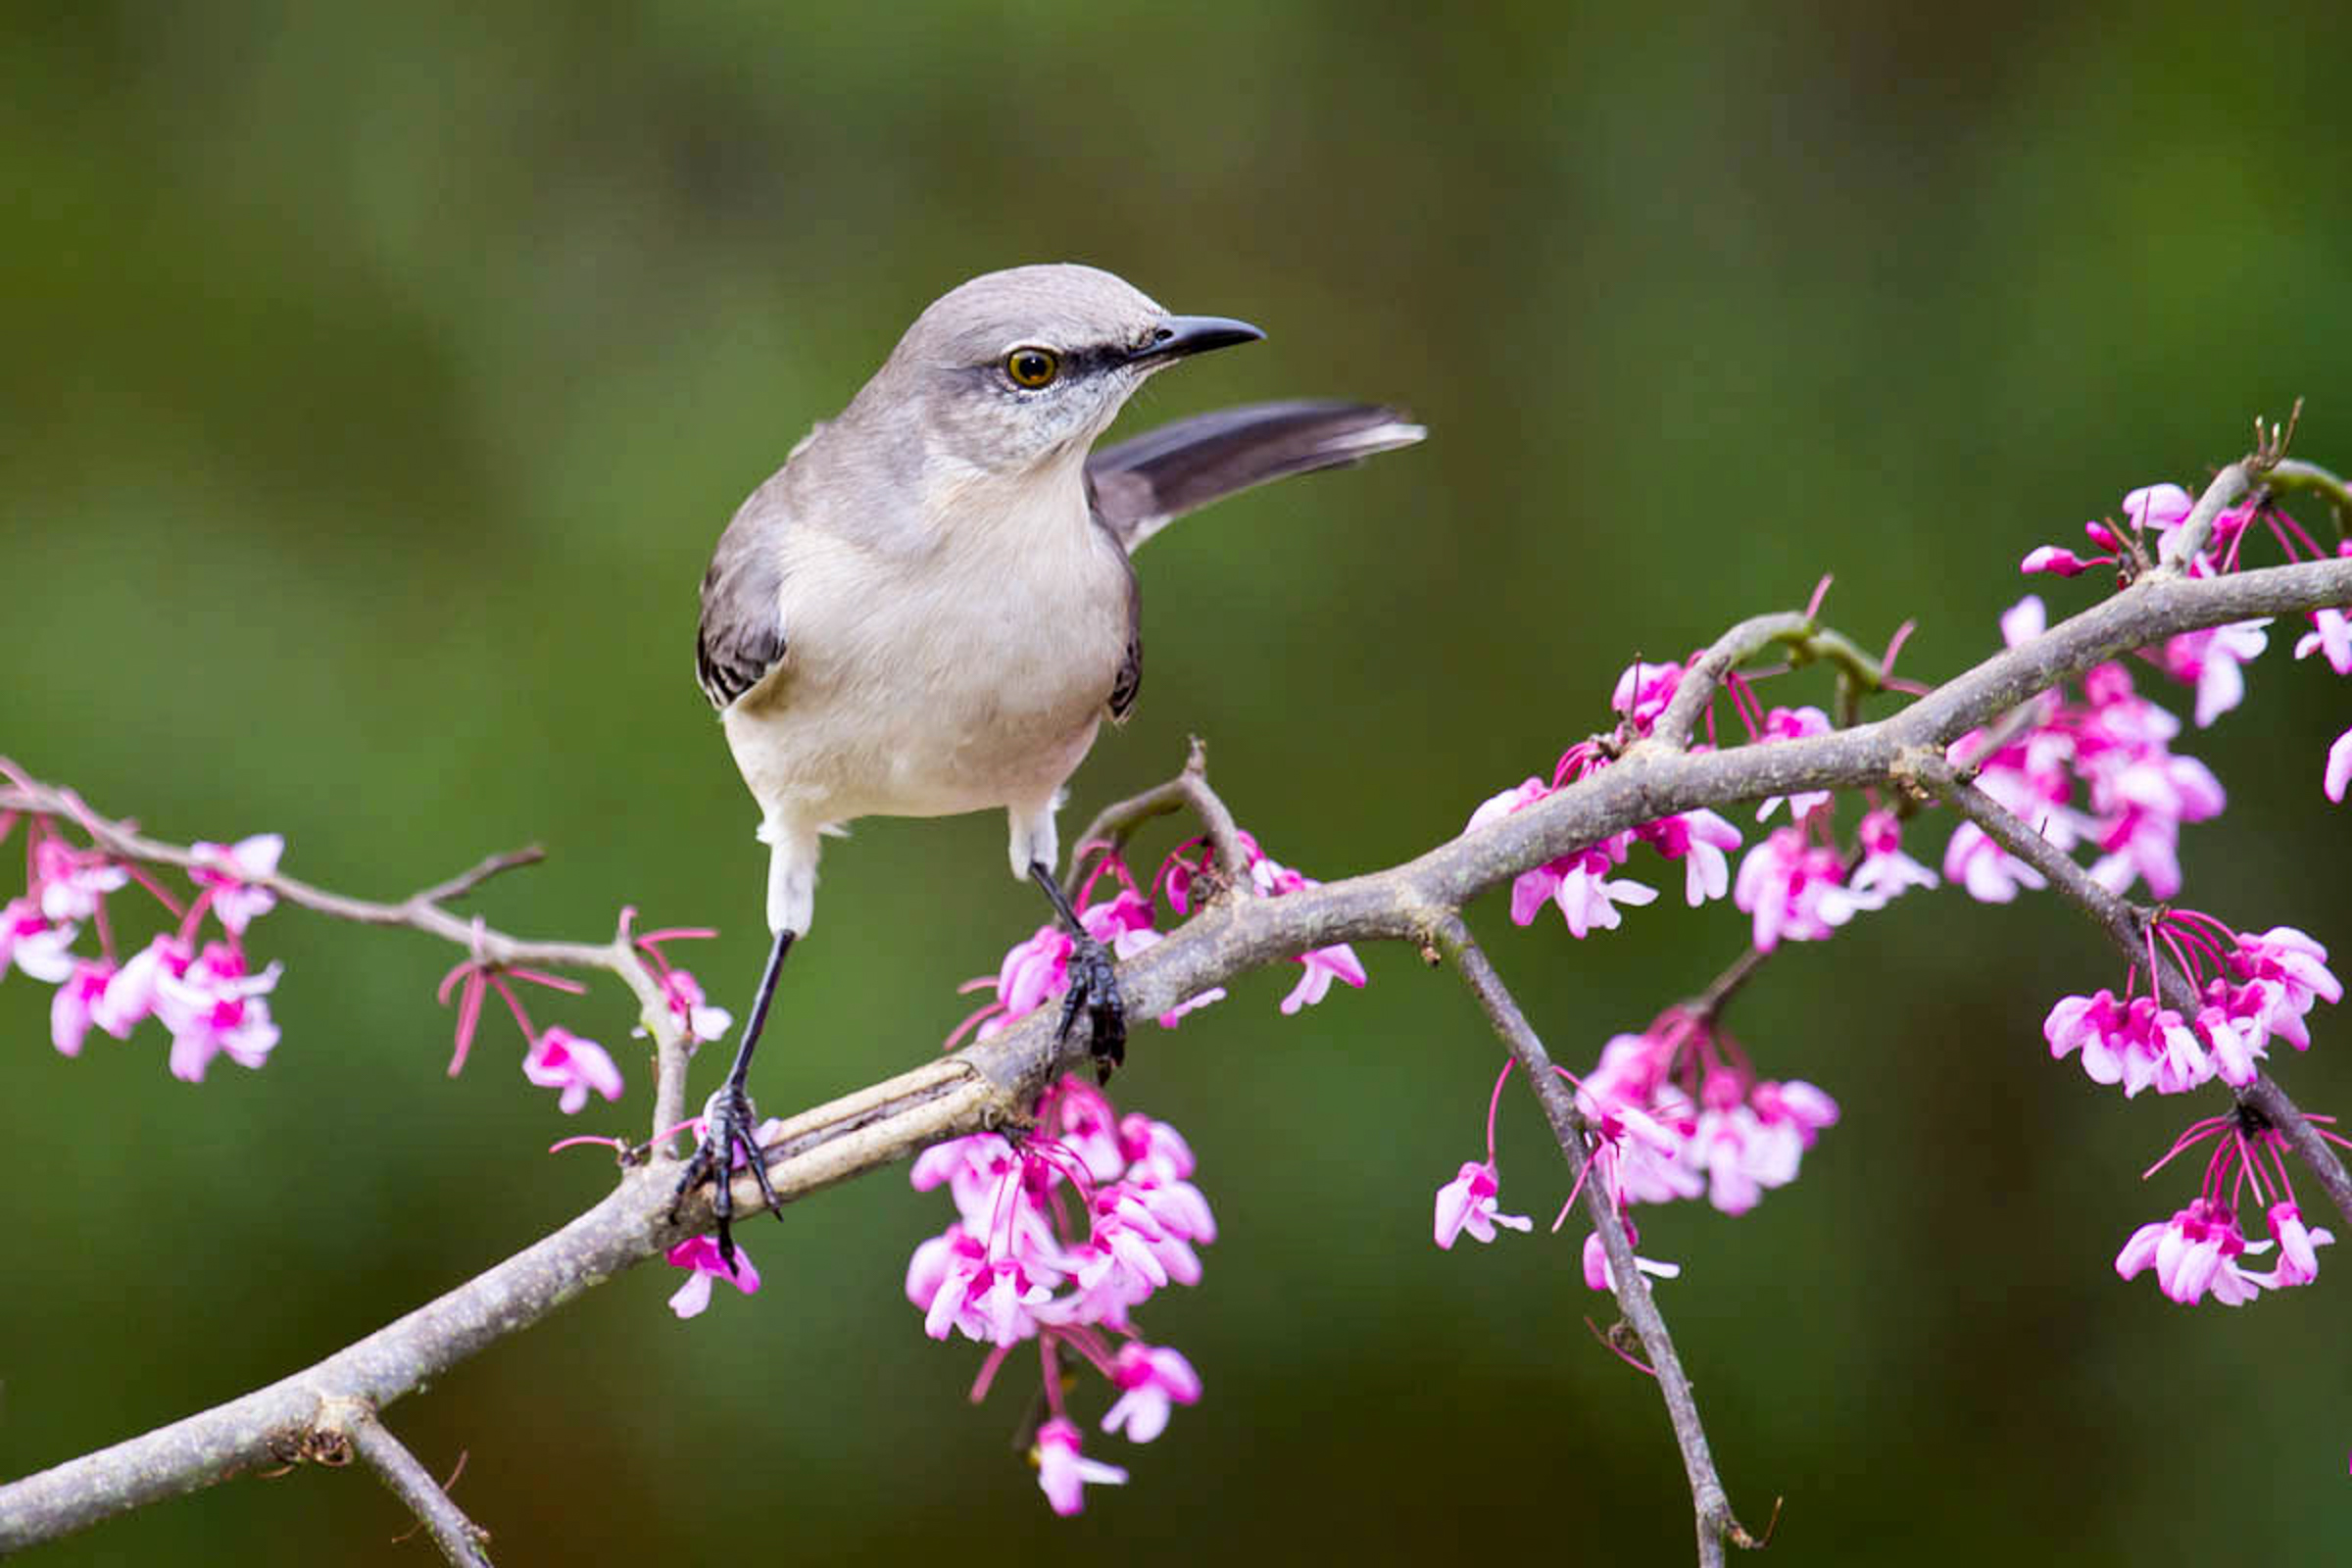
x: 929, y: 608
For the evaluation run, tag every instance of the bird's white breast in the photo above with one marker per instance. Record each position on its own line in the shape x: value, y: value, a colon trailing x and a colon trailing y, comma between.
x: 967, y: 672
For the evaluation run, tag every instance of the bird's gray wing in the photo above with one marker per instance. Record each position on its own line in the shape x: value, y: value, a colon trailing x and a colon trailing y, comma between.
x: 742, y: 633
x: 1128, y: 684
x: 1139, y: 486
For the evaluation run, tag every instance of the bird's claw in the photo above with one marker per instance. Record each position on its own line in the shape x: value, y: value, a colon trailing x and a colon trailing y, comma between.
x: 729, y: 1123
x: 1095, y: 990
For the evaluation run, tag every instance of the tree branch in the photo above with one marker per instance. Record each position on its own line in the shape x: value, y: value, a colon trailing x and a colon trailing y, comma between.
x: 1632, y: 1288
x: 1114, y: 824
x: 460, y: 1539
x: 992, y: 1083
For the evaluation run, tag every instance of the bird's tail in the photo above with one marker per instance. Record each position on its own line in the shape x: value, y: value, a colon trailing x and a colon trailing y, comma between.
x: 1139, y: 486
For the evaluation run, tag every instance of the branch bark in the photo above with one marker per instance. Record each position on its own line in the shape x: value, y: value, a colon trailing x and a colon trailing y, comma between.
x: 460, y: 1539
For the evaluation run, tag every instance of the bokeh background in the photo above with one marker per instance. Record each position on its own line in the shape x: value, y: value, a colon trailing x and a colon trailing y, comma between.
x: 376, y: 379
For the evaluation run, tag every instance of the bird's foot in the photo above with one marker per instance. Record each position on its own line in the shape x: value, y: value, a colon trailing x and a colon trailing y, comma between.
x: 729, y: 1123
x: 1095, y: 991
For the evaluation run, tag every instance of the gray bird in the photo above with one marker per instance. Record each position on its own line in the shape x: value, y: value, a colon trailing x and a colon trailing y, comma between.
x: 929, y: 608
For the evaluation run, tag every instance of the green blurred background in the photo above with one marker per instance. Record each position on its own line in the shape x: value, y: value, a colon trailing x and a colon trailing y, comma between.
x: 378, y: 378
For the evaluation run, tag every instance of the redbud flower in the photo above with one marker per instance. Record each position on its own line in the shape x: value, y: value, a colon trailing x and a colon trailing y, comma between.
x: 1467, y: 1203
x: 227, y: 873
x: 1785, y: 882
x: 2198, y: 1250
x: 33, y: 944
x: 1699, y: 839
x: 2299, y: 1248
x: 69, y: 1008
x: 1061, y: 1474
x: 130, y: 995
x: 1599, y: 1276
x: 2195, y: 1252
x: 684, y: 994
x: 699, y: 1255
x: 1885, y: 870
x: 71, y: 882
x: 2210, y: 659
x: 2331, y: 637
x: 561, y: 1059
x: 214, y: 1008
x: 1153, y: 1382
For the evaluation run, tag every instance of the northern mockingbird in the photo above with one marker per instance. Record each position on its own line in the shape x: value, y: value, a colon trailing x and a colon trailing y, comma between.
x: 929, y: 608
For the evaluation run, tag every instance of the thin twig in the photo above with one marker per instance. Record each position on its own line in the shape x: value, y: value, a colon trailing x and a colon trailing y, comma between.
x: 460, y: 1539
x: 465, y: 882
x: 421, y: 911
x: 1632, y: 1288
x: 1114, y: 824
x: 2126, y: 927
x: 1698, y: 684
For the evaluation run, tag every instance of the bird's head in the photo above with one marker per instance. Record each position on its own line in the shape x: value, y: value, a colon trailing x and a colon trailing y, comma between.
x: 1019, y: 367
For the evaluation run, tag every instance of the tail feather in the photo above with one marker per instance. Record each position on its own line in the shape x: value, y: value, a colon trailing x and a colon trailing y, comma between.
x: 1141, y: 485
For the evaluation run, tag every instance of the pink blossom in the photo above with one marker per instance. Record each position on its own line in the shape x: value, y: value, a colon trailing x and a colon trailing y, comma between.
x: 1782, y: 883
x: 699, y: 1255
x: 1061, y: 1474
x: 1599, y: 1276
x: 2162, y: 507
x: 1152, y: 1382
x: 214, y: 1008
x: 2194, y: 1253
x: 1990, y: 873
x: 1323, y: 965
x: 2024, y: 620
x: 2337, y: 778
x: 2331, y: 636
x: 1885, y: 870
x: 2211, y: 661
x: 69, y: 1008
x: 73, y: 882
x: 561, y: 1059
x: 2299, y: 1248
x: 1644, y: 692
x: 130, y: 995
x: 1468, y: 1203
x: 2052, y: 559
x: 33, y: 944
x: 229, y: 873
x: 1699, y: 839
x: 701, y: 1021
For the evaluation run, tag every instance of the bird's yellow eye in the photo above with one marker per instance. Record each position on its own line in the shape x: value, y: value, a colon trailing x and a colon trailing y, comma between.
x: 1032, y: 367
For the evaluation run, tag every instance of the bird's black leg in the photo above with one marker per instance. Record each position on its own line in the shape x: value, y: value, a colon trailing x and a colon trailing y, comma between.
x: 727, y: 1121
x: 1093, y: 986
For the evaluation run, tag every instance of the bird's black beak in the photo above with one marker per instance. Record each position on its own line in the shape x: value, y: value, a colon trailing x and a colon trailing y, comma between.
x: 1182, y: 335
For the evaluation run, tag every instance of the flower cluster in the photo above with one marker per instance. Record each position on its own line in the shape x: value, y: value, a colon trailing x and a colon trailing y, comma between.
x: 1061, y: 1232
x: 2249, y: 989
x: 2213, y: 660
x: 1678, y: 1112
x: 1036, y: 969
x: 1794, y: 883
x: 201, y: 988
x: 2199, y: 1249
x: 2111, y: 744
x: 555, y: 1057
x: 1581, y: 884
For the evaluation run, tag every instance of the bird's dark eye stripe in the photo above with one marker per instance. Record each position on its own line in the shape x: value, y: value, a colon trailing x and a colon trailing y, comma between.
x: 1073, y: 364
